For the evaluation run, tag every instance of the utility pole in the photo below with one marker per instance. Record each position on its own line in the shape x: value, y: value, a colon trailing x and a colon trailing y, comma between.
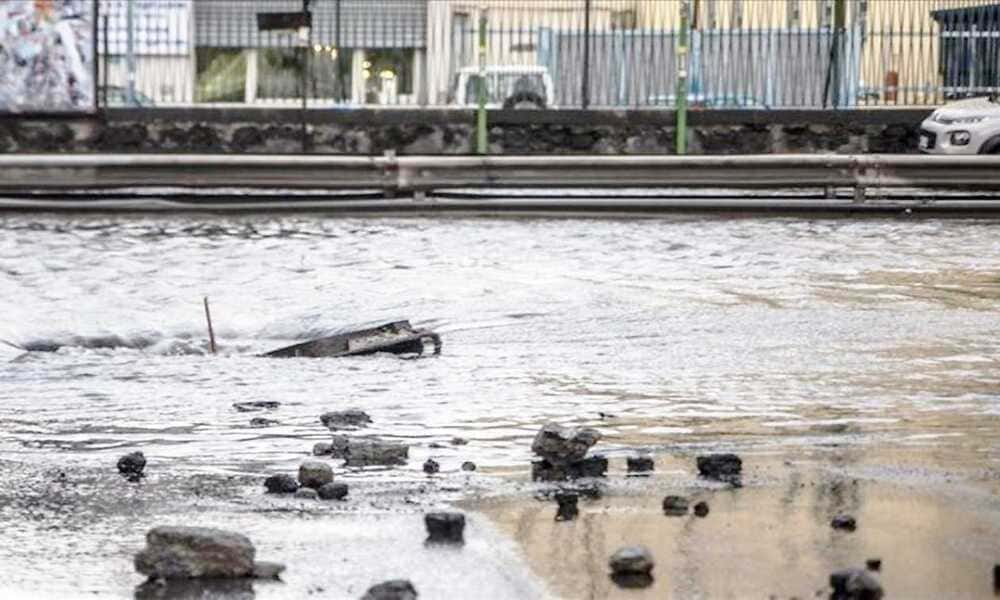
x: 682, y: 78
x: 306, y: 43
x: 481, y: 141
x: 130, y: 52
x: 585, y: 85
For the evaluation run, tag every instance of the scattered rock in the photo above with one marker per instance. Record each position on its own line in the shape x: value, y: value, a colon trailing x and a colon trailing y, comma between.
x: 397, y: 589
x: 567, y: 506
x: 345, y: 419
x: 313, y: 473
x: 189, y: 552
x: 675, y: 506
x: 431, y: 466
x: 281, y: 483
x: 561, y: 445
x: 640, y: 464
x: 230, y: 589
x: 445, y: 527
x: 468, y: 466
x: 262, y: 422
x: 631, y: 560
x: 701, y: 509
x: 721, y: 467
x: 873, y: 564
x: 131, y: 466
x: 333, y: 491
x: 845, y: 522
x: 306, y: 493
x: 255, y: 406
x: 457, y: 441
x: 855, y: 584
x: 376, y: 452
x: 322, y: 449
x: 339, y: 445
x: 592, y: 466
x: 267, y: 570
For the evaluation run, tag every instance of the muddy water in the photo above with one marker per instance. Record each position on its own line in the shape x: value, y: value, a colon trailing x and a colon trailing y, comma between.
x: 771, y: 337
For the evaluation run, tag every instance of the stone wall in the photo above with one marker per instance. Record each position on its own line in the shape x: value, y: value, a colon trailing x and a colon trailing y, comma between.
x: 413, y: 131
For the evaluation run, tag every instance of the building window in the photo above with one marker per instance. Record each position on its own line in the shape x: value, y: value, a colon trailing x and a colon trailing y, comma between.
x: 387, y: 73
x: 220, y: 75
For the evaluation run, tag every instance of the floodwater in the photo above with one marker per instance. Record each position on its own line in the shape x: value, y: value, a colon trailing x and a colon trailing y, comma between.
x: 830, y: 353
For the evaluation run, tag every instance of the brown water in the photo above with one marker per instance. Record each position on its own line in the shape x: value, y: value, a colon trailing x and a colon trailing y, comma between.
x: 771, y: 337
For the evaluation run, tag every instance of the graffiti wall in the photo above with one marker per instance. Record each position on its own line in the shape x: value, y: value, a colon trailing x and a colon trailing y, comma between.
x: 47, y: 56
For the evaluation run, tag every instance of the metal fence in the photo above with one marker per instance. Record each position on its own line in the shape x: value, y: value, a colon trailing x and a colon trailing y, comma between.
x: 755, y: 54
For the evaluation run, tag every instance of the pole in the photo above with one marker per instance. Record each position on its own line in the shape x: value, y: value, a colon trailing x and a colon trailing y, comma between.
x: 682, y: 83
x: 211, y: 333
x: 306, y: 45
x: 105, y: 62
x: 130, y: 51
x: 481, y: 146
x: 585, y: 84
x: 340, y: 55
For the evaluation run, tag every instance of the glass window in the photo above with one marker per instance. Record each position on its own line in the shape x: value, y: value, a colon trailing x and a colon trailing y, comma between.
x: 387, y: 74
x: 221, y: 75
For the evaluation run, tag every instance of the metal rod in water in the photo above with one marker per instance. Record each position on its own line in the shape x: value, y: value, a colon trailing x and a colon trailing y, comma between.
x: 211, y: 333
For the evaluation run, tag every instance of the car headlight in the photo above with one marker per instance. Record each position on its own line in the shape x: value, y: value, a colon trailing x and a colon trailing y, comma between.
x: 960, y: 138
x: 968, y: 120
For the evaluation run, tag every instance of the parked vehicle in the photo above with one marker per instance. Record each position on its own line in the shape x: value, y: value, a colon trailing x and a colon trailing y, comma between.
x: 507, y: 86
x: 969, y: 126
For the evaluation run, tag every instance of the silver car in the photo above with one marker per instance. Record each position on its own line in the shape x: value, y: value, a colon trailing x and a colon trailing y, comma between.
x: 969, y: 126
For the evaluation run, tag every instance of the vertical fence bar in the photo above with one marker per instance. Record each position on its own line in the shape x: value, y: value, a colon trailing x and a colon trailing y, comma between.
x: 481, y: 145
x: 105, y: 62
x: 585, y: 85
x: 682, y: 91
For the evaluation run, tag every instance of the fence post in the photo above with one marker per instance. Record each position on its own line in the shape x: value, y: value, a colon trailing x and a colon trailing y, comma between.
x: 130, y: 51
x: 481, y: 145
x: 105, y: 62
x: 682, y: 83
x: 585, y: 85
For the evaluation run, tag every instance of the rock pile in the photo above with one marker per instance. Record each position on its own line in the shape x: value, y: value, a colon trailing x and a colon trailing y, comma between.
x: 563, y: 453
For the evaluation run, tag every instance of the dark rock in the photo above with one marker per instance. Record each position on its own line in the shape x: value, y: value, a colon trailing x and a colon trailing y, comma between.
x: 305, y: 493
x: 567, y: 506
x: 996, y: 577
x: 333, y: 491
x: 435, y: 445
x: 593, y: 466
x: 560, y: 445
x: 445, y: 527
x: 640, y: 464
x: 322, y: 449
x: 675, y: 506
x: 267, y: 570
x: 632, y: 580
x: 721, y: 467
x: 190, y: 552
x: 855, y: 584
x: 631, y: 560
x: 262, y: 422
x: 701, y: 509
x: 255, y: 406
x: 281, y: 484
x: 873, y: 564
x: 376, y: 452
x: 397, y: 589
x: 313, y: 473
x: 457, y: 441
x: 345, y: 419
x: 190, y: 589
x: 131, y: 466
x: 845, y: 522
x: 468, y: 466
x: 339, y: 445
x: 431, y: 466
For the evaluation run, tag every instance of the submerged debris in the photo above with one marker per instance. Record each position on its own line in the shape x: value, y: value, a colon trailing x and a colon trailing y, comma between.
x: 262, y: 422
x: 459, y: 441
x: 174, y: 552
x: 131, y: 466
x: 398, y: 337
x: 445, y: 527
x: 397, y: 589
x: 855, y: 584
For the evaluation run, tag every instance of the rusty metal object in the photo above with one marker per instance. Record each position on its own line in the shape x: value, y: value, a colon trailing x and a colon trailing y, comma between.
x: 397, y: 338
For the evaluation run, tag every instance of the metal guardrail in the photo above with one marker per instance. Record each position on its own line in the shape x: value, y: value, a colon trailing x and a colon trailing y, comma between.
x: 422, y: 174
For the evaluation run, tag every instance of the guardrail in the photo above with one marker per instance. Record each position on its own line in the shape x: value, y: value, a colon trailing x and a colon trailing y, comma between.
x: 401, y: 175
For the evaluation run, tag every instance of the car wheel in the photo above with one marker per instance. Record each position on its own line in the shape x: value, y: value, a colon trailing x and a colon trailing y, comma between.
x: 991, y: 146
x: 523, y: 100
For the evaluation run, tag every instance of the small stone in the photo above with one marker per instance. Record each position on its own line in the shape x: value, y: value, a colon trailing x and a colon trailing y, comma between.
x: 333, y: 491
x: 855, y: 584
x: 631, y: 560
x: 267, y: 570
x: 345, y: 419
x: 457, y: 441
x: 397, y: 589
x: 255, y: 406
x: 844, y: 522
x: 131, y: 466
x: 193, y: 552
x: 362, y: 453
x: 262, y: 422
x: 568, y: 509
x: 561, y: 445
x: 640, y: 464
x: 675, y: 506
x: 873, y: 564
x: 592, y: 466
x: 701, y: 509
x: 281, y: 483
x: 431, y: 466
x: 445, y: 527
x: 468, y: 466
x: 322, y: 449
x: 305, y: 493
x: 313, y: 473
x: 721, y: 467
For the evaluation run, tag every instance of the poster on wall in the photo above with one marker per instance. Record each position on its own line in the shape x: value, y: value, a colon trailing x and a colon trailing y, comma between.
x: 47, y: 56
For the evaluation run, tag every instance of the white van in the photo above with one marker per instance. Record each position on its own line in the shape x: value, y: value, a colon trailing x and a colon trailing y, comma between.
x: 507, y: 86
